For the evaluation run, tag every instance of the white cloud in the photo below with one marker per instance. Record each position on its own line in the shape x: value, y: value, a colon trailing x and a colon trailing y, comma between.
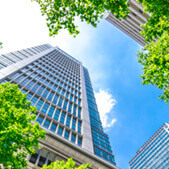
x: 105, y: 103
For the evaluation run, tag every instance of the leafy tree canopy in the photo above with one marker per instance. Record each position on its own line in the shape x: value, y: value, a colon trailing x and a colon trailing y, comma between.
x: 70, y: 164
x: 155, y: 60
x: 61, y: 14
x: 17, y: 134
x: 158, y: 23
x: 155, y: 55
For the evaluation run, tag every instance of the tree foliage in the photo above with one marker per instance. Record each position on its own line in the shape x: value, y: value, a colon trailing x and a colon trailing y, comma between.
x: 155, y: 60
x: 155, y: 55
x: 70, y: 164
x: 61, y: 14
x: 158, y: 23
x: 17, y: 134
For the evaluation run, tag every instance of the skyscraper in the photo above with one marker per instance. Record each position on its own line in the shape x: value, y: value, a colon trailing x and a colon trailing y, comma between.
x: 154, y: 154
x: 60, y: 87
x: 132, y: 24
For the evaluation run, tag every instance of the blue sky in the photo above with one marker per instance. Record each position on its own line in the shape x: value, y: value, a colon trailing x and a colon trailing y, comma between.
x: 110, y: 57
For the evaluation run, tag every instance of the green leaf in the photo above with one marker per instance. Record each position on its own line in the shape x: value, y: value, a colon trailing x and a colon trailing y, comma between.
x: 17, y: 132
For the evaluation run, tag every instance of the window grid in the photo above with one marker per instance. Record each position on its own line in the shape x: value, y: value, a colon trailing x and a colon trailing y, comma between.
x: 41, y: 85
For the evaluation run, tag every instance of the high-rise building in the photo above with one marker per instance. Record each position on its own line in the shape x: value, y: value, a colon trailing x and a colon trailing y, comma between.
x: 132, y: 24
x: 60, y: 87
x: 154, y: 154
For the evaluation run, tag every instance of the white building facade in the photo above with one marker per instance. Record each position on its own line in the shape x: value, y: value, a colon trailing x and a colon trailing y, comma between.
x: 131, y: 25
x: 154, y: 154
x: 60, y: 87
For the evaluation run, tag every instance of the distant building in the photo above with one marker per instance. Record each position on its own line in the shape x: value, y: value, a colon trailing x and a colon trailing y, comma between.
x: 154, y: 154
x: 60, y: 87
x: 131, y: 25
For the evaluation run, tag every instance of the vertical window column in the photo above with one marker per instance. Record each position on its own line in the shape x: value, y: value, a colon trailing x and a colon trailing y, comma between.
x: 53, y: 126
x: 37, y: 161
x: 68, y: 120
x: 60, y: 131
x: 73, y: 138
x: 79, y: 126
x: 47, y: 158
x: 74, y: 124
x: 67, y: 135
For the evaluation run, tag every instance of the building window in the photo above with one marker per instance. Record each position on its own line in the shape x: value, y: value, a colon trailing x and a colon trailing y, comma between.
x: 50, y: 96
x: 79, y: 127
x: 67, y: 95
x: 73, y: 138
x: 45, y: 93
x: 75, y: 99
x: 105, y: 156
x: 60, y: 131
x: 14, y: 75
x: 30, y: 84
x: 65, y: 105
x: 29, y: 96
x: 74, y: 124
x: 40, y: 90
x: 50, y: 85
x: 41, y: 161
x: 67, y: 135
x: 33, y: 158
x: 62, y: 119
x: 79, y: 102
x: 61, y: 83
x: 54, y: 87
x: 34, y: 100
x: 57, y: 113
x: 51, y: 111
x: 40, y: 119
x: 97, y: 151
x: 53, y: 127
x: 79, y: 113
x: 74, y: 110
x: 59, y: 89
x: 79, y: 141
x: 68, y: 121
x: 70, y: 107
x: 63, y: 92
x: 60, y: 102
x: 46, y: 123
x: 39, y: 104
x: 35, y: 87
x: 45, y: 108
x: 20, y: 78
x: 55, y: 99
x: 71, y: 97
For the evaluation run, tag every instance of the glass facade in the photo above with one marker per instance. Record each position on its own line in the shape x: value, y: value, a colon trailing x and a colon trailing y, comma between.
x: 53, y: 84
x: 154, y: 154
x: 101, y: 142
